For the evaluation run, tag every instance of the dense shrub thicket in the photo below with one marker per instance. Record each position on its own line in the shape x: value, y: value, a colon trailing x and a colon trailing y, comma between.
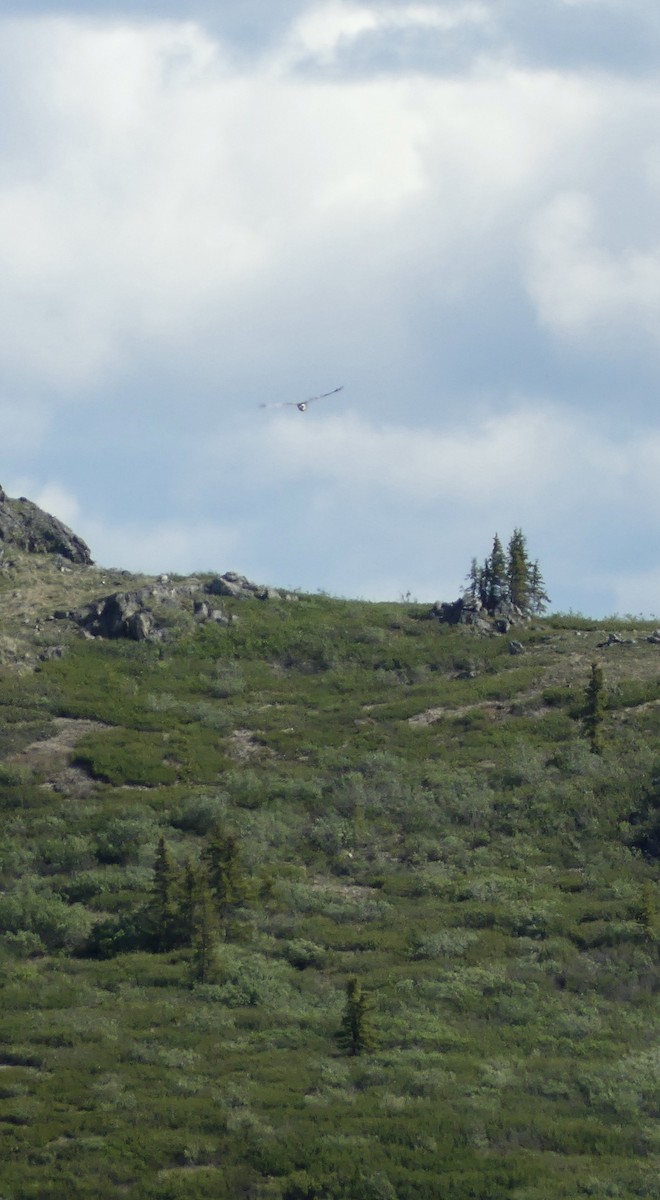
x: 331, y: 902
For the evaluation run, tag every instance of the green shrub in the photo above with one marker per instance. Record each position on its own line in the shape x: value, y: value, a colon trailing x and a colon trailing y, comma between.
x: 58, y: 925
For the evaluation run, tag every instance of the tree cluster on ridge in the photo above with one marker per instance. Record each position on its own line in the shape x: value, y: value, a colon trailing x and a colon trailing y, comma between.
x: 508, y: 577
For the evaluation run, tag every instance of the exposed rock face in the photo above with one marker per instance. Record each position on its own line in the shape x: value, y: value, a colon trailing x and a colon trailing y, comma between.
x: 468, y: 610
x: 25, y: 525
x: 130, y: 614
x: 231, y: 584
x: 121, y: 615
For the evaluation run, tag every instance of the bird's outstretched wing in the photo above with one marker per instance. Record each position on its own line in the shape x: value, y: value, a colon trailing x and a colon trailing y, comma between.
x: 302, y: 404
x: 324, y: 394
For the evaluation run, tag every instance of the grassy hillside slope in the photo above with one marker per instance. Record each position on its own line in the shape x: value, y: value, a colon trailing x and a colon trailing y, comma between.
x: 412, y: 805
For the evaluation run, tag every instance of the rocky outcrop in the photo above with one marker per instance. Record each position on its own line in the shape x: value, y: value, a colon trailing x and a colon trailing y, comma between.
x: 468, y: 610
x: 131, y: 614
x: 613, y: 639
x: 204, y: 612
x: 141, y: 615
x: 123, y: 614
x: 231, y: 584
x: 26, y: 526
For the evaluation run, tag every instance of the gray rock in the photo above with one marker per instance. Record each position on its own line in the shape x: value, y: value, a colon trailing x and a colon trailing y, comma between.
x: 613, y: 639
x: 120, y: 615
x: 516, y: 648
x: 231, y: 584
x: 468, y: 610
x: 139, y: 626
x: 25, y: 525
x: 203, y: 612
x: 226, y: 587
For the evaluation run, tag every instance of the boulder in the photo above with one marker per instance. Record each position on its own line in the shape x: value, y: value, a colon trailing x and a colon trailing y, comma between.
x: 231, y: 584
x: 203, y: 612
x: 25, y: 525
x: 613, y: 639
x: 120, y: 615
x: 468, y: 610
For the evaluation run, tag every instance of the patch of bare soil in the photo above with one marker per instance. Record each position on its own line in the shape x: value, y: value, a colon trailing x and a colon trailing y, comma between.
x: 431, y: 715
x: 50, y: 757
x: 243, y: 745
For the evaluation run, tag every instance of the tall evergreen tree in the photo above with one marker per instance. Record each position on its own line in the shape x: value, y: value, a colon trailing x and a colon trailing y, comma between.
x: 508, y: 576
x: 473, y: 579
x: 162, y: 909
x: 594, y: 709
x: 225, y: 874
x: 188, y: 888
x: 538, y: 597
x: 518, y: 570
x: 497, y: 581
x: 356, y: 1033
x: 205, y: 934
x: 484, y: 577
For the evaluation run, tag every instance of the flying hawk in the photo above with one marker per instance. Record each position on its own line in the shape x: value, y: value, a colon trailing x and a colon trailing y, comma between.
x: 303, y: 404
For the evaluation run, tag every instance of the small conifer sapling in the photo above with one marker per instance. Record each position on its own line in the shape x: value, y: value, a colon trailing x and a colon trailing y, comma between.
x: 356, y: 1033
x: 594, y: 709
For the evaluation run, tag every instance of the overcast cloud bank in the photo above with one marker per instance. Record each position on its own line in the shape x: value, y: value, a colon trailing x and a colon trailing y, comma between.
x: 409, y: 199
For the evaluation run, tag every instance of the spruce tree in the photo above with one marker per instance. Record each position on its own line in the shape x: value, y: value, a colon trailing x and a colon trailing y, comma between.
x: 648, y: 910
x: 518, y: 571
x: 538, y: 597
x: 188, y: 888
x: 497, y: 582
x: 484, y: 577
x: 205, y: 934
x: 356, y: 1034
x: 594, y: 709
x: 225, y: 874
x: 474, y: 579
x: 508, y: 576
x: 162, y: 909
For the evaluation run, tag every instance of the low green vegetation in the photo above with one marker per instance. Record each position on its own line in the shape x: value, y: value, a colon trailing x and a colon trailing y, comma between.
x: 332, y: 902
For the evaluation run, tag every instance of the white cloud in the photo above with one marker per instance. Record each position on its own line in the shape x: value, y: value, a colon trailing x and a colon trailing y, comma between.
x: 177, y: 546
x: 24, y: 425
x: 119, y: 211
x: 158, y: 197
x: 53, y: 497
x: 144, y: 545
x: 184, y: 233
x: 529, y: 458
x: 503, y: 455
x: 57, y: 500
x: 327, y: 29
x: 577, y: 284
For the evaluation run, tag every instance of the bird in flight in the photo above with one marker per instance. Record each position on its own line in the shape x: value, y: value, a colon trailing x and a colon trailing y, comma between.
x: 303, y: 404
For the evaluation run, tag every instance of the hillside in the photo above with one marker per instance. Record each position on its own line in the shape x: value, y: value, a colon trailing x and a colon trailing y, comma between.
x: 399, y: 801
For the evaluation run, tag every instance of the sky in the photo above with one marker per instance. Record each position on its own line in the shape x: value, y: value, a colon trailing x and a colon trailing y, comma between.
x: 449, y: 207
